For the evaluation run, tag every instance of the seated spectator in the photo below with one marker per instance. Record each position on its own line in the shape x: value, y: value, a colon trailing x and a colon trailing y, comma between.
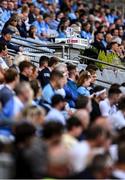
x: 83, y: 83
x: 35, y: 85
x: 17, y: 103
x: 117, y: 119
x: 26, y: 69
x: 108, y: 106
x: 98, y: 44
x: 44, y: 73
x: 3, y: 54
x: 7, y: 92
x: 6, y: 38
x: 93, y: 80
x: 52, y: 133
x: 31, y: 152
x: 55, y: 114
x: 107, y: 40
x: 32, y: 33
x: 34, y: 74
x: 86, y: 31
x: 71, y: 86
x: 74, y: 130
x: 96, y: 137
x: 84, y: 102
x: 56, y: 82
x: 99, y: 95
x: 31, y: 15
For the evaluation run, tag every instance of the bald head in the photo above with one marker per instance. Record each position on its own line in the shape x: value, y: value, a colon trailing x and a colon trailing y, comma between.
x: 83, y: 116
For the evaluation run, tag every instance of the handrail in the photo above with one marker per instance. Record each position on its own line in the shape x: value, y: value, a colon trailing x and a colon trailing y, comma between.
x: 101, y: 62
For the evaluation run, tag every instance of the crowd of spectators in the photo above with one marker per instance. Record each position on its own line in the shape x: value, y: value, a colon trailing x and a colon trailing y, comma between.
x: 55, y: 121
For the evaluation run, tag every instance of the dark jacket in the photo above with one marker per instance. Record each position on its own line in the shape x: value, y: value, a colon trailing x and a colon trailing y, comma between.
x: 9, y: 45
x: 23, y: 78
x: 44, y: 77
x: 95, y: 111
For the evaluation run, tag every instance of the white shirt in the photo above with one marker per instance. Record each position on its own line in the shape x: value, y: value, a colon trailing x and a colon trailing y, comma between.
x: 18, y: 106
x: 55, y: 115
x: 79, y: 156
x: 119, y: 174
x: 3, y: 64
x: 106, y: 109
x: 118, y: 120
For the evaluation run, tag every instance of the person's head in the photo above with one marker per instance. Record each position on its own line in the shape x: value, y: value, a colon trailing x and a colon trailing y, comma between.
x: 74, y: 126
x: 53, y: 62
x: 114, y: 46
x: 101, y: 166
x: 99, y: 36
x: 3, y: 50
x: 114, y: 95
x: 31, y: 7
x: 34, y: 114
x: 46, y: 18
x: 12, y: 77
x: 58, y: 102
x: 108, y: 38
x: 39, y: 18
x: 32, y: 31
x: 36, y: 11
x: 121, y: 32
x: 13, y: 21
x: 57, y: 79
x: 4, y: 4
x: 34, y: 72
x: 23, y: 133
x: 10, y: 6
x: 84, y: 79
x: 83, y: 117
x: 93, y: 75
x: 91, y: 66
x: 7, y: 34
x: 62, y: 67
x: 52, y: 133
x: 86, y: 26
x: 35, y: 85
x: 24, y: 92
x: 73, y: 73
x: 96, y: 135
x: 84, y: 102
x: 26, y: 68
x: 121, y: 104
x: 115, y: 32
x: 100, y: 93
x: 43, y: 62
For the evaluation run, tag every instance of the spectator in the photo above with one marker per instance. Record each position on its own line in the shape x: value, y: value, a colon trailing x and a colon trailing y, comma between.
x: 32, y: 33
x: 108, y: 106
x: 6, y: 38
x: 44, y: 74
x: 11, y: 80
x: 71, y: 86
x: 83, y: 83
x: 17, y: 103
x: 56, y: 82
x: 74, y: 130
x: 95, y: 138
x: 3, y: 53
x: 52, y: 133
x: 26, y: 69
x: 99, y: 95
x: 84, y: 102
x: 34, y: 74
x: 117, y: 119
x: 55, y: 114
x: 86, y: 31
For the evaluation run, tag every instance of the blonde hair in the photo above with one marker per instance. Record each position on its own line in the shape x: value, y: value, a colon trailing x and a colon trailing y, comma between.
x: 85, y: 75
